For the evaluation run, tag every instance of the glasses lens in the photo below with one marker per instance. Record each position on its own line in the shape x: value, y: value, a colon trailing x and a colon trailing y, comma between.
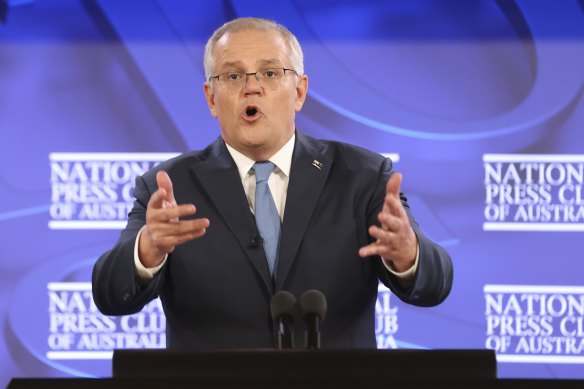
x: 267, y: 78
x: 270, y: 78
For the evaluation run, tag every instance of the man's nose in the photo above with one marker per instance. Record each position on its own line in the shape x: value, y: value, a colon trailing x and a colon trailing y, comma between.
x: 252, y: 83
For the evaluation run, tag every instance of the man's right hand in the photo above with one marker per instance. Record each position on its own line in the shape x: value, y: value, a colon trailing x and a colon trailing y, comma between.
x: 164, y: 230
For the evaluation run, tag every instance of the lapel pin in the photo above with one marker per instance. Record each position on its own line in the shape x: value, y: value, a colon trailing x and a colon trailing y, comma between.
x: 317, y: 164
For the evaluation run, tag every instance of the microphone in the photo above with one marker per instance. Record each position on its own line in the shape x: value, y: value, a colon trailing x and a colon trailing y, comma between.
x: 255, y: 240
x: 285, y: 310
x: 313, y: 304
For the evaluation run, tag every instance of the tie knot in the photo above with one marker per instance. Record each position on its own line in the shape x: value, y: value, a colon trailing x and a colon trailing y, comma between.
x: 263, y: 170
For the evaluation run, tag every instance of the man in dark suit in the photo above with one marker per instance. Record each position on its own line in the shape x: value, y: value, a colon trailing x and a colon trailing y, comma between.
x: 342, y: 223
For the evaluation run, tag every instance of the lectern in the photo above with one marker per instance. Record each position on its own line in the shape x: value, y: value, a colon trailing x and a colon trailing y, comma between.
x: 343, y: 366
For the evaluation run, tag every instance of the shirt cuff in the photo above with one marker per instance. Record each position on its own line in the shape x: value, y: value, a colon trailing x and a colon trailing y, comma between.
x: 145, y: 273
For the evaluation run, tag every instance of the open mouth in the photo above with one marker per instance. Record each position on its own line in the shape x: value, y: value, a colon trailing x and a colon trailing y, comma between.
x: 251, y: 113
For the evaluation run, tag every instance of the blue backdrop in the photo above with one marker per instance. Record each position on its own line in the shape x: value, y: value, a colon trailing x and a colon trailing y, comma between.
x: 479, y: 104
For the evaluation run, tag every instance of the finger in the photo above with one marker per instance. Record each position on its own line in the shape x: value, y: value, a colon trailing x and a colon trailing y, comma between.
x: 393, y: 184
x: 184, y: 226
x: 390, y: 221
x: 392, y: 202
x: 173, y: 214
x: 167, y: 235
x: 168, y: 243
x: 187, y: 236
x: 164, y: 182
x: 377, y: 248
x: 382, y: 236
x: 163, y: 230
x: 157, y: 199
x: 374, y: 248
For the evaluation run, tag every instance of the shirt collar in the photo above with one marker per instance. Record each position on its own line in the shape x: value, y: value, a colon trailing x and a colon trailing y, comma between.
x: 282, y: 159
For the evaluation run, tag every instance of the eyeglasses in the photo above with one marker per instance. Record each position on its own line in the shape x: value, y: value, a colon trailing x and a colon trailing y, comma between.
x: 267, y: 78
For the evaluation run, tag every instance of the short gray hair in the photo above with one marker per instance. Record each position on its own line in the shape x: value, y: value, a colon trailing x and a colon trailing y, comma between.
x: 258, y: 24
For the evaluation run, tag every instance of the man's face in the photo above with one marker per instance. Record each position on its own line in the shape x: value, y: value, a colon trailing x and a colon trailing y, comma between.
x: 259, y: 135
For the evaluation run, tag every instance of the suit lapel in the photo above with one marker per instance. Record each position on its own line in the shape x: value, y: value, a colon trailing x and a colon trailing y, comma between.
x: 308, y: 174
x: 219, y: 178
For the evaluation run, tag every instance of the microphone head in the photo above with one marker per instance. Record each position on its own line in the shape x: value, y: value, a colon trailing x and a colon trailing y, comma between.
x: 313, y: 302
x: 284, y: 304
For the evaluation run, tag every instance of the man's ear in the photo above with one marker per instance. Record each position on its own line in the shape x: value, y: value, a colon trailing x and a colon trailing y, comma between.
x: 210, y: 97
x: 301, y: 90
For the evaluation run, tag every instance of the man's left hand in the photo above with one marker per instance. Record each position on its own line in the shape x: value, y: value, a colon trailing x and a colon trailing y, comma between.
x: 396, y: 241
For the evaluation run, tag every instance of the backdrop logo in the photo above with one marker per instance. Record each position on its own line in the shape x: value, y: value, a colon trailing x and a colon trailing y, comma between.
x: 77, y: 330
x: 534, y: 192
x: 95, y: 190
x: 385, y: 319
x: 535, y: 324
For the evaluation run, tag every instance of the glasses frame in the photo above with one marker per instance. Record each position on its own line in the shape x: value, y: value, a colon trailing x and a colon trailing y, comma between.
x: 255, y: 74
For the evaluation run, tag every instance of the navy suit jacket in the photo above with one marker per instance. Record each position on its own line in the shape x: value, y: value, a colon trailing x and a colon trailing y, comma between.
x: 216, y: 290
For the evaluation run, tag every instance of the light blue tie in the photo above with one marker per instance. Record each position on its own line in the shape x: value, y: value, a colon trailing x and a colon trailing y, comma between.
x: 266, y: 214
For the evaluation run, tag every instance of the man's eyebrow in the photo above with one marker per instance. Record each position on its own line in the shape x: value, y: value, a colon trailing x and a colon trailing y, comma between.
x: 270, y: 62
x: 233, y: 64
x: 239, y: 64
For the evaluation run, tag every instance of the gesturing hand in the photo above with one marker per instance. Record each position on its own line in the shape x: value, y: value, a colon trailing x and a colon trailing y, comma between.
x: 396, y: 241
x: 164, y: 230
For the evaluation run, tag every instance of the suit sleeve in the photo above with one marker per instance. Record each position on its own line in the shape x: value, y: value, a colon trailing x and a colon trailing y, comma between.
x: 116, y: 290
x: 433, y: 279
